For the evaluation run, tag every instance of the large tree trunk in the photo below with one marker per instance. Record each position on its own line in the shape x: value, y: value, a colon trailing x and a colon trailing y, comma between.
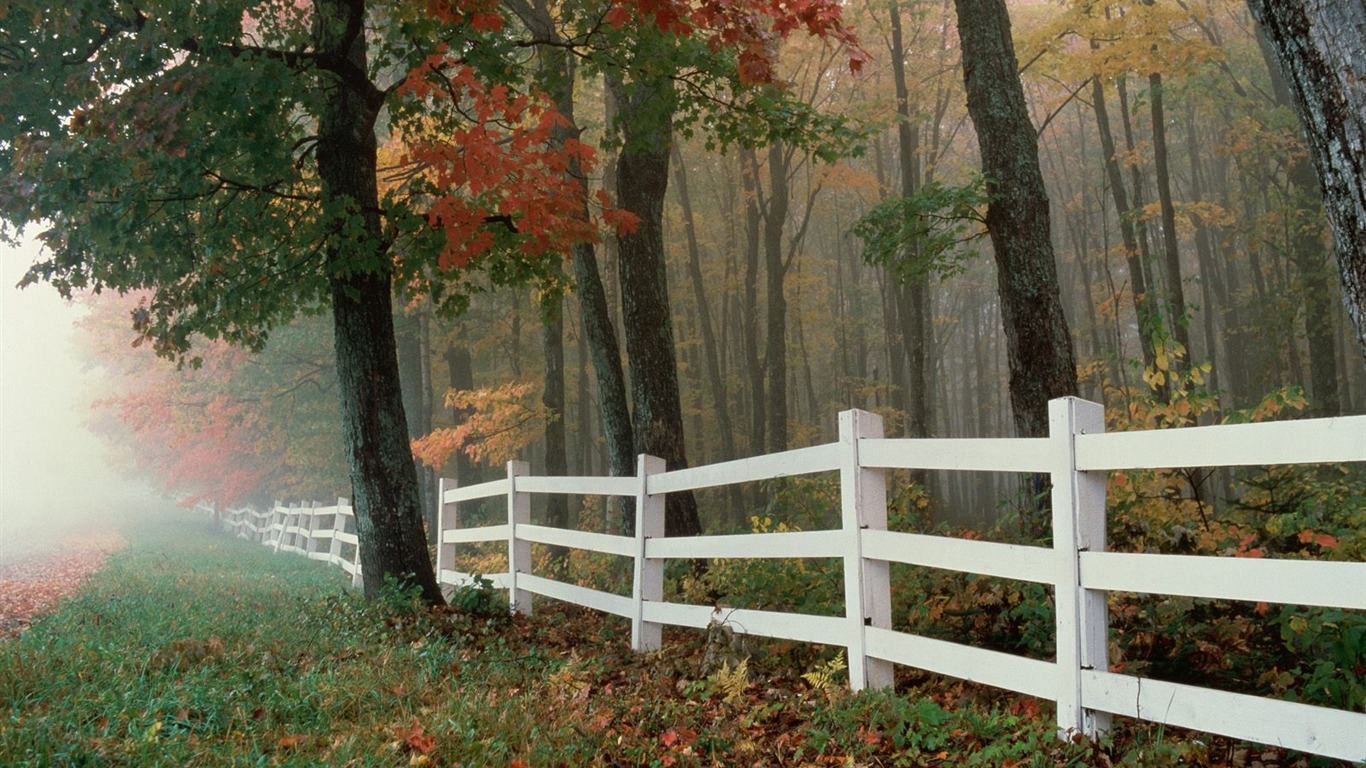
x: 642, y: 180
x: 1321, y: 50
x: 1310, y: 262
x: 384, y: 480
x: 1039, y: 347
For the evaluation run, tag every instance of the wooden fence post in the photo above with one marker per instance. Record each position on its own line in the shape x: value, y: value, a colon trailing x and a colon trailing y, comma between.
x: 277, y: 512
x: 338, y: 526
x: 1078, y: 526
x: 519, y: 550
x: 648, y: 582
x: 447, y: 518
x: 309, y: 541
x: 357, y: 573
x: 867, y: 588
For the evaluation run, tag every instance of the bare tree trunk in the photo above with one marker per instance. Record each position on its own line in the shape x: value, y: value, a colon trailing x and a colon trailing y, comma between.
x: 1133, y: 253
x: 915, y: 293
x: 775, y: 270
x: 552, y: 397
x: 749, y: 301
x: 1310, y: 262
x: 1039, y: 346
x: 642, y: 180
x: 1175, y: 288
x: 1322, y: 53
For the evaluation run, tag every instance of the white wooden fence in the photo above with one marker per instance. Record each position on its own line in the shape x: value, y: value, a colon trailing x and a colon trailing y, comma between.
x: 1078, y: 456
x: 317, y: 532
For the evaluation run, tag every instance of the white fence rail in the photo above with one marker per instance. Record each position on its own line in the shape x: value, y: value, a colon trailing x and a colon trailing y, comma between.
x: 316, y: 532
x: 1077, y: 455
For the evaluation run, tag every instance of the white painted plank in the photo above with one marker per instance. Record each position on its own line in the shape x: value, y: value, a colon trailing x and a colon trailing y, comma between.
x: 497, y: 532
x: 596, y: 542
x: 481, y: 491
x: 827, y: 630
x: 349, y: 567
x: 581, y: 486
x: 1297, y: 582
x: 818, y: 458
x: 348, y: 538
x: 1331, y: 732
x: 460, y: 579
x: 1008, y: 561
x: 1003, y: 670
x: 1309, y: 441
x: 750, y: 545
x: 1034, y: 454
x: 572, y: 593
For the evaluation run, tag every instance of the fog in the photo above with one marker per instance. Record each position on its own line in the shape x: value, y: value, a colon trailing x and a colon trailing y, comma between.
x: 54, y: 479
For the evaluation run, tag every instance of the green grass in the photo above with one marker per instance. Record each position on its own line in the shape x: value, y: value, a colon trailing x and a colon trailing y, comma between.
x: 191, y: 648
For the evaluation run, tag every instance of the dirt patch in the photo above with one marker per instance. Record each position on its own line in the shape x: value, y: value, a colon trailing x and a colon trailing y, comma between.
x: 31, y: 587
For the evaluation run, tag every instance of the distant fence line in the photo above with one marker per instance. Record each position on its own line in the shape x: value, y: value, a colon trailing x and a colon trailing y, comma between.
x: 316, y: 532
x: 1078, y: 456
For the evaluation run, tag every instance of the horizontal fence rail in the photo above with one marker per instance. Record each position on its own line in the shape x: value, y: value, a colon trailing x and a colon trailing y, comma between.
x: 327, y: 534
x: 1077, y: 456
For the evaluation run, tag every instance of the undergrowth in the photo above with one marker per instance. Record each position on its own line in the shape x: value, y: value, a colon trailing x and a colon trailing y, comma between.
x: 194, y: 649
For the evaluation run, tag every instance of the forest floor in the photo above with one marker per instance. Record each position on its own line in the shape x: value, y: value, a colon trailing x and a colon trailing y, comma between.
x: 191, y: 648
x: 36, y: 582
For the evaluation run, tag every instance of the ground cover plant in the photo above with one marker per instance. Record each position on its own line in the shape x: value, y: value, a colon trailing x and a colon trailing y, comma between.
x: 192, y: 648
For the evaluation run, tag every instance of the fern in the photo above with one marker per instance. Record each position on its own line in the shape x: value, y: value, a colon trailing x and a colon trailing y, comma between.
x: 825, y: 678
x: 731, y: 683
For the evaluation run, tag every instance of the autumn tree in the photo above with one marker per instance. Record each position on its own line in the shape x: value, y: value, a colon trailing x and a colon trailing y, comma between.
x: 225, y: 158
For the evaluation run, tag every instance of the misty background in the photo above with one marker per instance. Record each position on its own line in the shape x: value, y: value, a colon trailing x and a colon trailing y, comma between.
x: 55, y: 480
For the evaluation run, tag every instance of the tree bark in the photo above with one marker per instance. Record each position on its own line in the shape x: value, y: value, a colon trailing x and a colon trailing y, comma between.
x: 1039, y: 346
x: 552, y: 397
x: 460, y: 367
x: 913, y: 293
x: 410, y: 337
x: 384, y: 480
x: 642, y: 180
x: 1133, y: 255
x: 775, y: 270
x: 557, y: 75
x: 1171, y: 262
x: 1321, y: 50
x: 1310, y: 262
x: 749, y: 300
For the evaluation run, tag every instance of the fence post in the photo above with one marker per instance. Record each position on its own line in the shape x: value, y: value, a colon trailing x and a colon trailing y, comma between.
x: 1078, y: 526
x: 338, y: 526
x: 867, y: 589
x: 278, y: 512
x: 357, y: 573
x: 309, y: 541
x: 519, y: 550
x: 647, y: 583
x: 445, y: 553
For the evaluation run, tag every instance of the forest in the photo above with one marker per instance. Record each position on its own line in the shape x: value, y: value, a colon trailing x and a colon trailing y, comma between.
x: 694, y: 230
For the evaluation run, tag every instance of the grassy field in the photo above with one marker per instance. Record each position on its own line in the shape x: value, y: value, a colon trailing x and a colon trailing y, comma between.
x: 191, y: 648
